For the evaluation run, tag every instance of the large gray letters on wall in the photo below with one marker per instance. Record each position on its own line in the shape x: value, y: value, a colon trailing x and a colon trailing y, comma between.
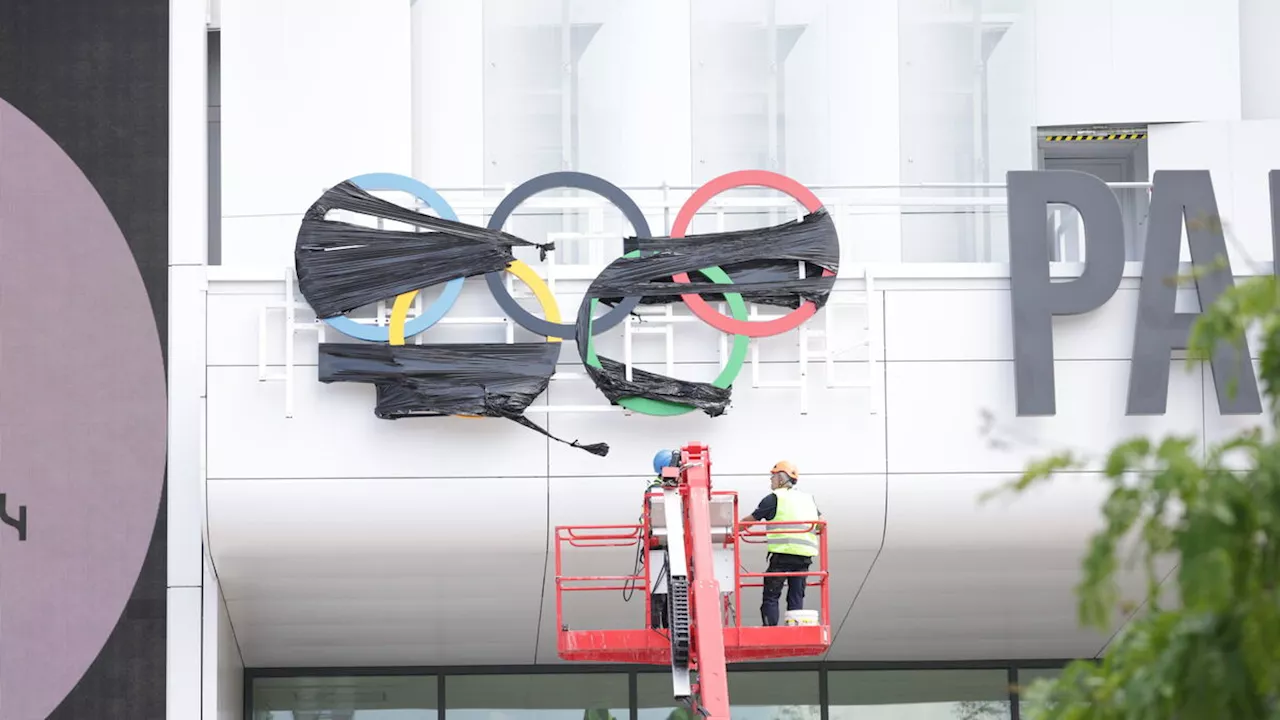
x: 1034, y: 298
x: 1159, y: 329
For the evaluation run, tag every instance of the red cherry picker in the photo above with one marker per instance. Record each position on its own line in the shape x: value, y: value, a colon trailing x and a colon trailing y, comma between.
x: 689, y: 546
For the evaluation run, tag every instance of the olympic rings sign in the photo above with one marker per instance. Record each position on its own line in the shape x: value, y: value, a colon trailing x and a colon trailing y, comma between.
x: 550, y: 325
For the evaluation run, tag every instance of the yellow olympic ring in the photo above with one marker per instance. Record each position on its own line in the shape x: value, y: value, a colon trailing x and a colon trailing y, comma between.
x: 550, y: 308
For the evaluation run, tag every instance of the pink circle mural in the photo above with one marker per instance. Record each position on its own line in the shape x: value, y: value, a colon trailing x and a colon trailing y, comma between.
x: 82, y: 421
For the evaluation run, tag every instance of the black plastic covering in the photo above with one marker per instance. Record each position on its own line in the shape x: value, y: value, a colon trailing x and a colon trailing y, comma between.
x: 482, y: 379
x: 764, y: 266
x: 342, y: 266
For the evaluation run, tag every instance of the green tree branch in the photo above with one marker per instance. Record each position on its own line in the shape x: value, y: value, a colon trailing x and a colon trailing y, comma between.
x: 1213, y: 653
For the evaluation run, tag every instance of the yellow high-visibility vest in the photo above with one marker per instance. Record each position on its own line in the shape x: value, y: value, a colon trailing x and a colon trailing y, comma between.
x: 799, y: 511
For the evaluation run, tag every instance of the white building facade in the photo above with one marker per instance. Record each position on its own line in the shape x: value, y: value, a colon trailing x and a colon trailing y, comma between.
x: 362, y: 569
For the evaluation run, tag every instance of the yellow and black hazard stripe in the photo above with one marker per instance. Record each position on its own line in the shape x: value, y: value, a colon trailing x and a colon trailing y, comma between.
x: 1095, y: 138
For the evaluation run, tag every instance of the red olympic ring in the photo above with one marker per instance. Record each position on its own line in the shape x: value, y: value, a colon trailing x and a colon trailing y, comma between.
x: 729, y: 181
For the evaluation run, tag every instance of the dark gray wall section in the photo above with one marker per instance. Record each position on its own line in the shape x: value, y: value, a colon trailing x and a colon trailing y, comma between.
x: 1160, y: 329
x: 1273, y: 178
x: 94, y: 76
x: 215, y: 147
x: 1034, y: 298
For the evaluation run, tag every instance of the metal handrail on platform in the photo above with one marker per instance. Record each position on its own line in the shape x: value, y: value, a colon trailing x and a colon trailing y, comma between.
x: 773, y: 527
x: 640, y: 535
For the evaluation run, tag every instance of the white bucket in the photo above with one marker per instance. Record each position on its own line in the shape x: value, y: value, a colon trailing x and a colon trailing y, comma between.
x: 801, y: 617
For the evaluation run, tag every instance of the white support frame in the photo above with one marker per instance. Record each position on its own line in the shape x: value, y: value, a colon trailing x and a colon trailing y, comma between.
x: 827, y: 354
x: 644, y: 320
x: 289, y: 306
x: 662, y: 321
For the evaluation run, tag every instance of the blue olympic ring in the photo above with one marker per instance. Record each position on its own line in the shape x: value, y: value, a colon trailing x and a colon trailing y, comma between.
x: 373, y: 182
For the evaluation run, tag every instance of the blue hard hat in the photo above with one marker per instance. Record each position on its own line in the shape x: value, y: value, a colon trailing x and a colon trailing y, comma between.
x: 661, y: 460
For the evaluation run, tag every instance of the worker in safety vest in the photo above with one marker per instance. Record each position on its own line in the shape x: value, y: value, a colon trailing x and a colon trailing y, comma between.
x: 788, y: 551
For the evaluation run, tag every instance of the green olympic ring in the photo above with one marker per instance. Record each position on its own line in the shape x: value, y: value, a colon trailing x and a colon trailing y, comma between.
x: 737, y: 356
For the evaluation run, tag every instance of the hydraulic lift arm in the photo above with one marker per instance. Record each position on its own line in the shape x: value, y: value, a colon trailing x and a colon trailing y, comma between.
x: 695, y: 595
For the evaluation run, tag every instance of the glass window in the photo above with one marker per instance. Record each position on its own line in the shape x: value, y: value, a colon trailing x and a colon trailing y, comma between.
x: 919, y: 695
x: 966, y: 89
x: 924, y: 105
x: 578, y: 85
x: 351, y: 698
x: 779, y: 695
x: 1027, y: 676
x: 537, y: 697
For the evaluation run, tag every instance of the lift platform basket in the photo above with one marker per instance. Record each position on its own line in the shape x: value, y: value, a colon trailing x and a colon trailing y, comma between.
x: 650, y: 645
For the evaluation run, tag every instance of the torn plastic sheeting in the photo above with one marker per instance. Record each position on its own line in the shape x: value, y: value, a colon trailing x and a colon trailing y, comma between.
x: 763, y: 264
x: 611, y: 379
x: 757, y: 255
x: 482, y: 379
x: 342, y: 266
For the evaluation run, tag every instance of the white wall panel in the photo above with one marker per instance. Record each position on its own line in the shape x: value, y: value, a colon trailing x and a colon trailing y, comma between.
x: 1202, y: 146
x: 962, y: 579
x: 1259, y: 58
x: 313, y: 92
x: 334, y: 434
x: 230, y: 669
x: 223, y: 667
x: 1219, y: 428
x: 1071, y: 75
x: 633, y: 90
x: 1255, y: 151
x: 183, y: 632
x: 1238, y: 156
x: 936, y: 414
x: 1011, y: 114
x: 316, y: 570
x: 186, y: 364
x: 266, y: 241
x: 965, y: 325
x: 762, y: 426
x: 1186, y: 54
x: 448, y: 70
x: 1136, y: 61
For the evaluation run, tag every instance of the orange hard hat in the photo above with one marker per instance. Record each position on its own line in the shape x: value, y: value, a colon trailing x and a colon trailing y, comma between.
x: 788, y: 467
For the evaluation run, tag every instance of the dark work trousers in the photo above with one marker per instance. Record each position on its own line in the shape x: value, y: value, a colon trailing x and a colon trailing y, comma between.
x: 780, y: 562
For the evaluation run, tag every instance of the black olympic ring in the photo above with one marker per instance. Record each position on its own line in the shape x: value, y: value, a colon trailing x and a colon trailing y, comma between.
x: 553, y: 181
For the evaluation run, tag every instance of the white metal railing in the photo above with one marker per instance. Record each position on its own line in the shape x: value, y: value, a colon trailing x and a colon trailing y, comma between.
x: 661, y: 321
x: 978, y: 208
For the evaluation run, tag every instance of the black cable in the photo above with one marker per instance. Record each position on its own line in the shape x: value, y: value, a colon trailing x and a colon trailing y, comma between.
x: 629, y: 587
x: 663, y: 574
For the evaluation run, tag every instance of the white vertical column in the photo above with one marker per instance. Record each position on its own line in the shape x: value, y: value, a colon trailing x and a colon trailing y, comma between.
x: 188, y: 248
x: 313, y: 92
x: 1011, y: 115
x: 447, y: 48
x: 862, y: 40
x: 1259, y: 58
x: 635, y: 120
